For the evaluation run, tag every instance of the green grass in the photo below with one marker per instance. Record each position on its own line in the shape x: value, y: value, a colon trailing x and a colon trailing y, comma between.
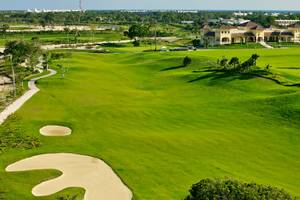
x: 61, y: 37
x: 239, y: 46
x: 163, y: 130
x: 284, y: 44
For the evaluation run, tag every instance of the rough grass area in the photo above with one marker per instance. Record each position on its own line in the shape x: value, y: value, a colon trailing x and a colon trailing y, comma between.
x: 12, y: 137
x: 159, y: 130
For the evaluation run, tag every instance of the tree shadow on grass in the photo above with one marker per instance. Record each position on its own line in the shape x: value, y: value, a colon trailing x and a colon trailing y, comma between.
x: 216, y: 75
x: 172, y: 68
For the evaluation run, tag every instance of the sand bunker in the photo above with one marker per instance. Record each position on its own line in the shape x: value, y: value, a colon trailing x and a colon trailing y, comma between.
x: 53, y: 130
x: 92, y: 174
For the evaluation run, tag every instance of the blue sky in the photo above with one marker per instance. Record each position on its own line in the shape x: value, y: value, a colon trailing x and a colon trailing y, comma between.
x: 155, y: 4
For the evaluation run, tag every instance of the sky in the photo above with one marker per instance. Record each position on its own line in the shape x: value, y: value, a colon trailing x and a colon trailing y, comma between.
x: 153, y: 4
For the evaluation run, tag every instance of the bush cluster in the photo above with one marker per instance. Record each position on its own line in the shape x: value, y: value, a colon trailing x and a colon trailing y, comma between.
x: 234, y: 64
x: 228, y: 189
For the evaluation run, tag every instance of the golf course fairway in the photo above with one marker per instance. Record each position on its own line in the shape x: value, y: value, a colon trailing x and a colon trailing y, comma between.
x: 162, y: 127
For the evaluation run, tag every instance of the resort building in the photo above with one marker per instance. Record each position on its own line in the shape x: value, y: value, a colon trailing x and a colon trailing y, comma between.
x: 286, y: 22
x: 250, y: 32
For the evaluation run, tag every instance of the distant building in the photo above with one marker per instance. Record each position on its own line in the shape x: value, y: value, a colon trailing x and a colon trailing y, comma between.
x: 242, y: 14
x: 187, y: 22
x: 274, y: 14
x: 50, y: 11
x: 187, y: 11
x: 285, y: 22
x: 250, y: 32
x: 233, y: 21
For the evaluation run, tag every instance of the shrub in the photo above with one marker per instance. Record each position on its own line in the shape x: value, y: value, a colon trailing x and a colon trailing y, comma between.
x: 196, y: 42
x: 136, y: 43
x: 57, y: 56
x: 215, y: 189
x: 186, y: 61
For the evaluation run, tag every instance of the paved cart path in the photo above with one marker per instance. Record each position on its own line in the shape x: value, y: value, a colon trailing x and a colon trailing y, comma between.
x: 14, y: 106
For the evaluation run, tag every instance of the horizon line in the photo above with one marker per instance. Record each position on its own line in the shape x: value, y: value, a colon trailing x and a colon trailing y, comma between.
x: 171, y: 9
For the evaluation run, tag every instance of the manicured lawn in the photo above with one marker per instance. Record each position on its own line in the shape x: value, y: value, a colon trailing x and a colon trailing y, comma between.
x: 284, y: 44
x: 163, y: 130
x: 239, y: 46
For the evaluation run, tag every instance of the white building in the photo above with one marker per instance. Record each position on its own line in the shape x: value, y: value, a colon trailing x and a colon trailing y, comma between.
x: 286, y: 22
x: 242, y: 14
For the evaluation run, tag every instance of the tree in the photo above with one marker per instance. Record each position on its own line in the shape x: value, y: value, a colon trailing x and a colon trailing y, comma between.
x: 43, y: 23
x: 21, y: 51
x: 4, y: 28
x: 187, y: 61
x: 47, y: 60
x: 254, y: 57
x: 215, y: 189
x: 246, y: 66
x: 138, y: 31
x: 93, y: 28
x: 196, y: 42
x: 76, y: 34
x: 234, y: 61
x: 223, y: 62
x: 67, y: 31
x: 206, y: 42
x: 136, y: 43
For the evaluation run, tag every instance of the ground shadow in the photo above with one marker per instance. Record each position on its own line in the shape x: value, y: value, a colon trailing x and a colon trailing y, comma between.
x: 172, y: 68
x: 217, y: 75
x: 288, y: 67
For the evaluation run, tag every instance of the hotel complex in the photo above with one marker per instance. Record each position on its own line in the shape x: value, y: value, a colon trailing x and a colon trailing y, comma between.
x: 250, y: 32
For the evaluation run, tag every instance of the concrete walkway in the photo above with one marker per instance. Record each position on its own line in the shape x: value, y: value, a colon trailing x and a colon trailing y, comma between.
x: 13, y: 107
x: 266, y: 45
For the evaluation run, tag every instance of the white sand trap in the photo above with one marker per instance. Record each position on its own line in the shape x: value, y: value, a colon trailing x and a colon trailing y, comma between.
x: 53, y: 130
x: 92, y: 174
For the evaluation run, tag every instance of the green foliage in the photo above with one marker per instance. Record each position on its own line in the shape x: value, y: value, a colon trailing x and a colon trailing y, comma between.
x: 234, y: 64
x: 215, y: 189
x: 234, y: 61
x: 60, y: 55
x: 223, y: 62
x: 137, y: 30
x: 251, y: 62
x: 12, y: 137
x: 187, y: 61
x: 20, y: 51
x: 136, y: 43
x: 4, y: 28
x: 196, y: 42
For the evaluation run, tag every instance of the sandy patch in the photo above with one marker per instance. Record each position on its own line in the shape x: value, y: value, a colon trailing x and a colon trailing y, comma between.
x: 92, y: 174
x: 53, y: 130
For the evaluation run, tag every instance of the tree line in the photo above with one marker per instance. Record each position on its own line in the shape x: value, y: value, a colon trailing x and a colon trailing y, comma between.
x: 126, y: 17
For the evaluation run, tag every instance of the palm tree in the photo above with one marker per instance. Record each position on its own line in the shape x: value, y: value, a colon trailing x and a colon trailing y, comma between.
x: 254, y: 57
x: 234, y: 62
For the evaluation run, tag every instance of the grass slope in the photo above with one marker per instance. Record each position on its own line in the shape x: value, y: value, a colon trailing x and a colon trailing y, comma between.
x: 163, y: 130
